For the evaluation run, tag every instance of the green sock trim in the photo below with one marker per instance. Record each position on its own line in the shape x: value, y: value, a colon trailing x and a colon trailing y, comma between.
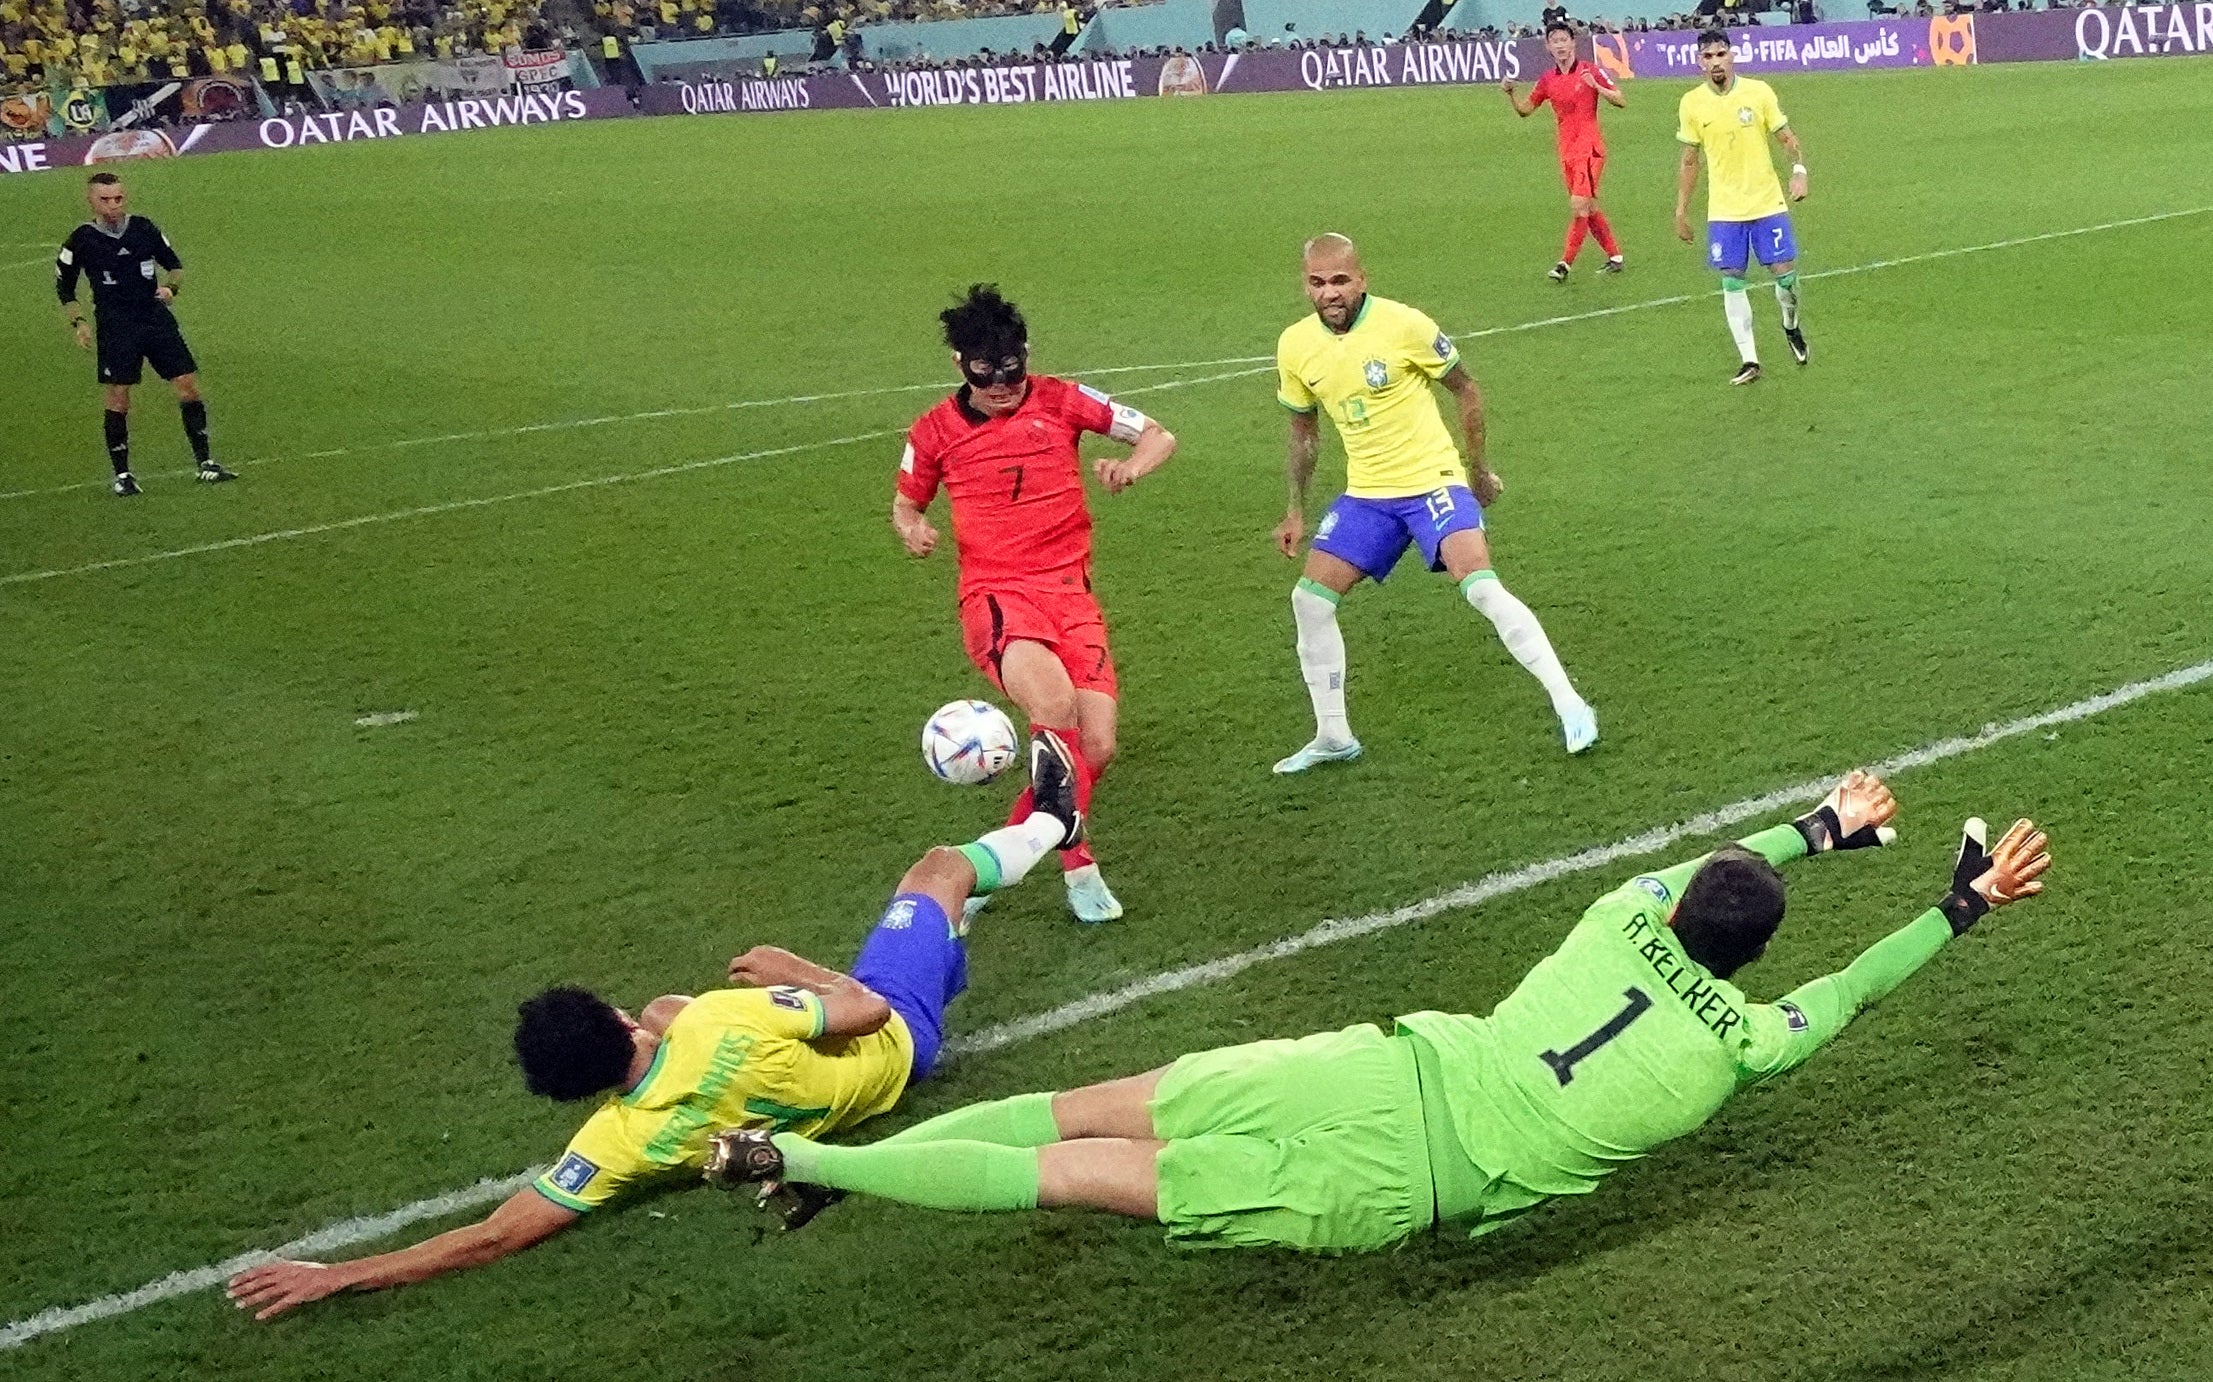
x: 986, y: 864
x: 1731, y: 285
x: 1486, y: 574
x: 1314, y: 587
x: 1789, y: 280
x: 1026, y: 1120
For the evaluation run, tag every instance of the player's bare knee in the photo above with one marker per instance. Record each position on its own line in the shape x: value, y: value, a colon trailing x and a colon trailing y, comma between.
x: 1115, y: 1108
x: 188, y: 388
x: 943, y: 869
x: 119, y: 399
x: 1098, y: 746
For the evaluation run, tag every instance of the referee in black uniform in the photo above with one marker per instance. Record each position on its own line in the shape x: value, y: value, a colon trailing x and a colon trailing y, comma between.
x: 126, y: 257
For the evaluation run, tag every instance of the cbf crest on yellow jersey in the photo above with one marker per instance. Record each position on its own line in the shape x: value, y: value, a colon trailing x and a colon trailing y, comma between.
x: 733, y: 1058
x: 1732, y: 127
x: 1373, y: 378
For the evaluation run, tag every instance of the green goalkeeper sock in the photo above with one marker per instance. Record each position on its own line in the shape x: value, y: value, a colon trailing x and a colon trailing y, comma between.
x: 964, y: 1176
x: 1026, y: 1120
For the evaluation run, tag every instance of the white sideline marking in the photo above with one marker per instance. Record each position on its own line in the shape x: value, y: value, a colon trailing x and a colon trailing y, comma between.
x: 1595, y: 314
x: 26, y: 263
x: 426, y: 510
x: 384, y: 717
x: 348, y: 1233
x: 455, y: 505
x: 343, y: 1234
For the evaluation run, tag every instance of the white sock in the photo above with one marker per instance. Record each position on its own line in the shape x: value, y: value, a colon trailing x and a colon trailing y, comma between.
x: 1738, y: 309
x: 1786, y: 297
x: 1016, y: 849
x: 1322, y: 659
x: 1523, y: 636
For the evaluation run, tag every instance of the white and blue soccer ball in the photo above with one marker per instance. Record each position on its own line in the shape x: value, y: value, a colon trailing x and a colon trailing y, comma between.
x: 969, y: 743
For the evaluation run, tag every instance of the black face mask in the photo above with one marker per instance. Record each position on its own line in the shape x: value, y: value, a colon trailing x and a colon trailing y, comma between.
x: 984, y: 374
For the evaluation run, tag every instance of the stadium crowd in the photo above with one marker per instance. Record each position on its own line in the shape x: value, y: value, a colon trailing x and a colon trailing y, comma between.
x: 101, y: 42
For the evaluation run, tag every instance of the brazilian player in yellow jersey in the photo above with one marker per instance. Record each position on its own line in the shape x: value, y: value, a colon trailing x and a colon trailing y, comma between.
x: 1369, y: 363
x: 790, y: 1046
x: 1727, y: 119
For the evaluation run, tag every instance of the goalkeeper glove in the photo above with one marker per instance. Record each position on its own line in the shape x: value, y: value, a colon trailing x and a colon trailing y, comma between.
x: 1822, y: 832
x: 1963, y: 906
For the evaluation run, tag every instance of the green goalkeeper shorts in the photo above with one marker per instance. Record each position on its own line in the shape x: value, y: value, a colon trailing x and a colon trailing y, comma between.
x: 1314, y: 1144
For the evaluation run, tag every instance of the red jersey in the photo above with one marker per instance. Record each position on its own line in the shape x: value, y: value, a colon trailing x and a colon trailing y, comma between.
x: 1576, y: 104
x: 1016, y: 483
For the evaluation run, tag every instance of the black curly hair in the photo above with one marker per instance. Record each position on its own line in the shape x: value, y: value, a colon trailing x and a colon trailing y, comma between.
x: 572, y: 1044
x: 985, y: 326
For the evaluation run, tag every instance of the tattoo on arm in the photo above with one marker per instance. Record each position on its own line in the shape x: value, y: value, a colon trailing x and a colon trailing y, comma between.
x: 1305, y: 449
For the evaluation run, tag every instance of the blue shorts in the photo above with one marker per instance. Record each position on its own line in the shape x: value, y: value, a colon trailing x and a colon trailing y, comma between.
x: 1372, y: 533
x: 915, y: 962
x: 1729, y: 242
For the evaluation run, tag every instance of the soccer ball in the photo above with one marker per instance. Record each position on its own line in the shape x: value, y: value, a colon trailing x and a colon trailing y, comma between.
x: 969, y: 742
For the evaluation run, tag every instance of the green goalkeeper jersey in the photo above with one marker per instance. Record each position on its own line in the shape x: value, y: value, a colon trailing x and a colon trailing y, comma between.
x: 1616, y: 1043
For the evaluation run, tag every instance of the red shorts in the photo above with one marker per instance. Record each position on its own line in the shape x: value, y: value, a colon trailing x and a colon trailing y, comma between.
x: 1066, y: 621
x: 1581, y: 172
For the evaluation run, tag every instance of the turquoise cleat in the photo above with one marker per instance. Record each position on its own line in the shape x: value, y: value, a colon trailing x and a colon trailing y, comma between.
x: 1088, y: 896
x: 1319, y: 752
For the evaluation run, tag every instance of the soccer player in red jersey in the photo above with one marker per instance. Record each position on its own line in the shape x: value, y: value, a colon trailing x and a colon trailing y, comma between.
x: 1004, y: 449
x: 1573, y: 86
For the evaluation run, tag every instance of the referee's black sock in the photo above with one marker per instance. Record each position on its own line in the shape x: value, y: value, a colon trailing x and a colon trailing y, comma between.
x: 195, y: 427
x: 119, y: 440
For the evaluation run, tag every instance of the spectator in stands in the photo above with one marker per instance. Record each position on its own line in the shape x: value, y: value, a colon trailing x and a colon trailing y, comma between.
x: 1554, y: 13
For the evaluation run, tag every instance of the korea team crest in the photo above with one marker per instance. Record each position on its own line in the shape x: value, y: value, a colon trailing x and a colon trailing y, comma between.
x: 1377, y: 375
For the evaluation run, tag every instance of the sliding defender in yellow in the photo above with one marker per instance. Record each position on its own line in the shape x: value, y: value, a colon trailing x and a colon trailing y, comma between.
x: 790, y: 1046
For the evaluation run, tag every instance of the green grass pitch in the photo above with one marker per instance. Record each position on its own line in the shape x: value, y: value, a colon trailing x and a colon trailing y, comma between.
x: 261, y: 963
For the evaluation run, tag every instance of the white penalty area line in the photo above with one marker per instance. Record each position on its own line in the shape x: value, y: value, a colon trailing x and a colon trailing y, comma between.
x: 484, y: 501
x: 349, y: 1233
x: 1566, y: 319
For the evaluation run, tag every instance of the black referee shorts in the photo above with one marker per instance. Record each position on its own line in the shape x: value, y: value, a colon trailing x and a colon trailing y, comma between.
x: 126, y: 342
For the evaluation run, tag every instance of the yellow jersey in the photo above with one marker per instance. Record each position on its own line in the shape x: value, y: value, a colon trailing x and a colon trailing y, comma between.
x: 1373, y: 379
x: 734, y: 1058
x: 1732, y: 127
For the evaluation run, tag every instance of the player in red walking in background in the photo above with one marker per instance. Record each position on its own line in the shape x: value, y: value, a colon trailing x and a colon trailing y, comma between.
x: 1004, y: 448
x: 1573, y: 86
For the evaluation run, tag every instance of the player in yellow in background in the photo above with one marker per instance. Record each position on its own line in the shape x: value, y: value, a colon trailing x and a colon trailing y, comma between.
x: 1728, y: 118
x: 1369, y: 362
x: 791, y: 1047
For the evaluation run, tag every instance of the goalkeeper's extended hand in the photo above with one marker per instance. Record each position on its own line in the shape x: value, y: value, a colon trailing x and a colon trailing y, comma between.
x: 1854, y: 816
x: 1986, y: 878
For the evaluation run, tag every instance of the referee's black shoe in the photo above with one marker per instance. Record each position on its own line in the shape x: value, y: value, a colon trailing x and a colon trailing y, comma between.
x: 213, y: 474
x: 1797, y: 341
x: 1748, y: 373
x: 125, y: 486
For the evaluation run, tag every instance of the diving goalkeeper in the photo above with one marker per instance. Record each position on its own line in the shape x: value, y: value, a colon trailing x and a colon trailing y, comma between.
x: 1628, y: 1036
